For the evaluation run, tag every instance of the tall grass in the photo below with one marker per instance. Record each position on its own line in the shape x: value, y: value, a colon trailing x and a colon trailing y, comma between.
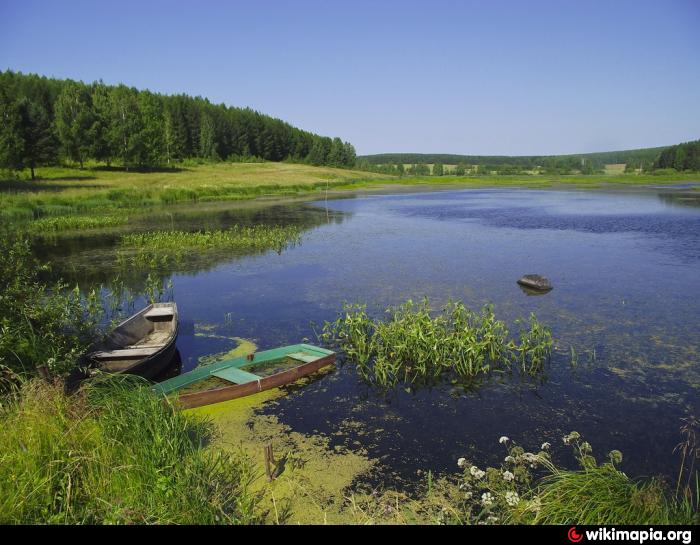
x: 416, y: 345
x: 114, y: 453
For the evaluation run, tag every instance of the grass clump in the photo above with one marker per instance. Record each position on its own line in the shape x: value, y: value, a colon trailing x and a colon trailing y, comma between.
x: 416, y: 346
x: 529, y: 488
x: 173, y: 247
x: 114, y: 453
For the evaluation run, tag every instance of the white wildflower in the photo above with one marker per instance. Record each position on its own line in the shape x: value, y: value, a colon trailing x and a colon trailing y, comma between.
x: 510, y: 459
x: 545, y: 446
x: 508, y: 476
x: 461, y: 462
x: 479, y: 474
x: 492, y: 520
x: 487, y: 499
x: 512, y: 498
x: 535, y: 505
x: 503, y: 440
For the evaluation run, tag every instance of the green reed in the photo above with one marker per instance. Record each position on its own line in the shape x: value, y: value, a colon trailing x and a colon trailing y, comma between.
x: 157, y: 249
x: 416, y: 345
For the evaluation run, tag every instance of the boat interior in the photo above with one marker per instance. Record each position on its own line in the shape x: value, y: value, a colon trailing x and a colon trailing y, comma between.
x: 139, y: 337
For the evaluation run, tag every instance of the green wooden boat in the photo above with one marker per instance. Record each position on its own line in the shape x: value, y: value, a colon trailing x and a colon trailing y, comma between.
x: 244, y: 376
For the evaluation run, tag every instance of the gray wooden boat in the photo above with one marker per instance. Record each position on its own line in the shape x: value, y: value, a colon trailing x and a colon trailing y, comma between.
x: 143, y: 344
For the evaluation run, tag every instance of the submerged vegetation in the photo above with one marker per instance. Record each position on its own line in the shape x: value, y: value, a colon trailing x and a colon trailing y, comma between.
x: 156, y: 248
x: 114, y: 453
x: 415, y: 346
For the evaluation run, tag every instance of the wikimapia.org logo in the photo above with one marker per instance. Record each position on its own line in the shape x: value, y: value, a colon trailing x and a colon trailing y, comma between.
x: 638, y: 536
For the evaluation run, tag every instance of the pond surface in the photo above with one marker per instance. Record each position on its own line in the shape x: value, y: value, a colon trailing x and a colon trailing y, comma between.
x: 625, y: 266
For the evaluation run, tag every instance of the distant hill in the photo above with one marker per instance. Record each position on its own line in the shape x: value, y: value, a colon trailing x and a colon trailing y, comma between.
x: 638, y: 157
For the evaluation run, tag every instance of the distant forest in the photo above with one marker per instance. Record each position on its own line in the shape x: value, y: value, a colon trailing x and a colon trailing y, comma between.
x: 46, y: 121
x: 684, y: 156
x: 679, y: 157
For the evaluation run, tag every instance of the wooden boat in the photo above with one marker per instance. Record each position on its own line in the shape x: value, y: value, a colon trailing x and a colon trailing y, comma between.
x: 143, y: 344
x: 244, y: 376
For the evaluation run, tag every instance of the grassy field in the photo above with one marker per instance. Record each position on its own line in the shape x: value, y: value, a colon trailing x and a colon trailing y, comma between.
x: 102, y: 191
x: 65, y: 191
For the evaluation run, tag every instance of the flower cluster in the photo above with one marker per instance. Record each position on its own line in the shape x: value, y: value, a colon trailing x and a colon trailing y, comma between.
x: 507, y: 494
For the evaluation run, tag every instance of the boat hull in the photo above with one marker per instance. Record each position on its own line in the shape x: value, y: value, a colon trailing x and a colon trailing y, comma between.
x: 240, y: 382
x: 235, y: 391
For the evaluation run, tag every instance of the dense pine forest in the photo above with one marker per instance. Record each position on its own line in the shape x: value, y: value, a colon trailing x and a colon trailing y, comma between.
x: 681, y: 156
x: 46, y: 121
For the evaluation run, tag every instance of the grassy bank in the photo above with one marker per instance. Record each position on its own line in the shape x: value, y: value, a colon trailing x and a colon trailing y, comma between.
x: 114, y: 453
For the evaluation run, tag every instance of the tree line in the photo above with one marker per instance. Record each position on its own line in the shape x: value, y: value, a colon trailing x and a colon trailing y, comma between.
x: 46, y: 121
x: 684, y: 156
x: 586, y: 163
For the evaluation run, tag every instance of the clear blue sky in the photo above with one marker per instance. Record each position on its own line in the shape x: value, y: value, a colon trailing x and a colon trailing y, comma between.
x: 472, y: 77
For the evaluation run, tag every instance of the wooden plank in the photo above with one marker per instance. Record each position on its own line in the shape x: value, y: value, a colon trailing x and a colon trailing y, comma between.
x: 126, y: 353
x: 237, y: 376
x: 303, y: 356
x: 159, y: 312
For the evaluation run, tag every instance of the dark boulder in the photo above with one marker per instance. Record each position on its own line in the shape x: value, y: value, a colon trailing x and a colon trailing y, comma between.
x: 535, y: 282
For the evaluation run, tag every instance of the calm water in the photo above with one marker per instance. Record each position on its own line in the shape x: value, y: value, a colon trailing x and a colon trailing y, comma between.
x: 626, y: 271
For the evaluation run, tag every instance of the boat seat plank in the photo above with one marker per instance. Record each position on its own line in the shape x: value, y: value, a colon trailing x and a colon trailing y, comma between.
x: 304, y: 356
x: 126, y: 353
x: 159, y: 312
x: 237, y: 376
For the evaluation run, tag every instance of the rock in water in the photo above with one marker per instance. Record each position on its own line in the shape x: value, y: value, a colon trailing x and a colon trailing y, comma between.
x: 535, y: 282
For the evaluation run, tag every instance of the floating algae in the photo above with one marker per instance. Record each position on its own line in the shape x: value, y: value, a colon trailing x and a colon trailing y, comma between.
x: 311, y: 480
x: 243, y: 347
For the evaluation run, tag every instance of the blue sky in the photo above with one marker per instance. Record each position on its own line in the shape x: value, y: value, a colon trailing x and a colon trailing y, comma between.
x: 472, y: 77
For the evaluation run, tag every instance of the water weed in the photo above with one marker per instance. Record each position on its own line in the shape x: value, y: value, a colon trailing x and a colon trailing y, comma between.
x: 158, y: 249
x: 417, y: 346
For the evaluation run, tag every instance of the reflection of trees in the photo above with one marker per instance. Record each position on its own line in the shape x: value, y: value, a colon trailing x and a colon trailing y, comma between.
x: 90, y: 259
x: 681, y: 198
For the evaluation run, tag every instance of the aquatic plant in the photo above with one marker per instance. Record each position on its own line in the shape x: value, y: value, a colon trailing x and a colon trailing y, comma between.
x: 415, y: 345
x: 156, y: 249
x: 114, y: 454
x: 52, y: 225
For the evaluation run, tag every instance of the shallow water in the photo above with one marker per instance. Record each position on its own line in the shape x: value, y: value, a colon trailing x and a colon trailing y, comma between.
x: 625, y: 267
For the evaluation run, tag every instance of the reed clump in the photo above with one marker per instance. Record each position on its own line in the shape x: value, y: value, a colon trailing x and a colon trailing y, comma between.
x: 416, y: 345
x: 163, y: 248
x: 114, y: 454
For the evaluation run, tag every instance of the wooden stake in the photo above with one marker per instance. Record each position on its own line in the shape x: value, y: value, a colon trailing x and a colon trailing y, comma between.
x: 269, y: 460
